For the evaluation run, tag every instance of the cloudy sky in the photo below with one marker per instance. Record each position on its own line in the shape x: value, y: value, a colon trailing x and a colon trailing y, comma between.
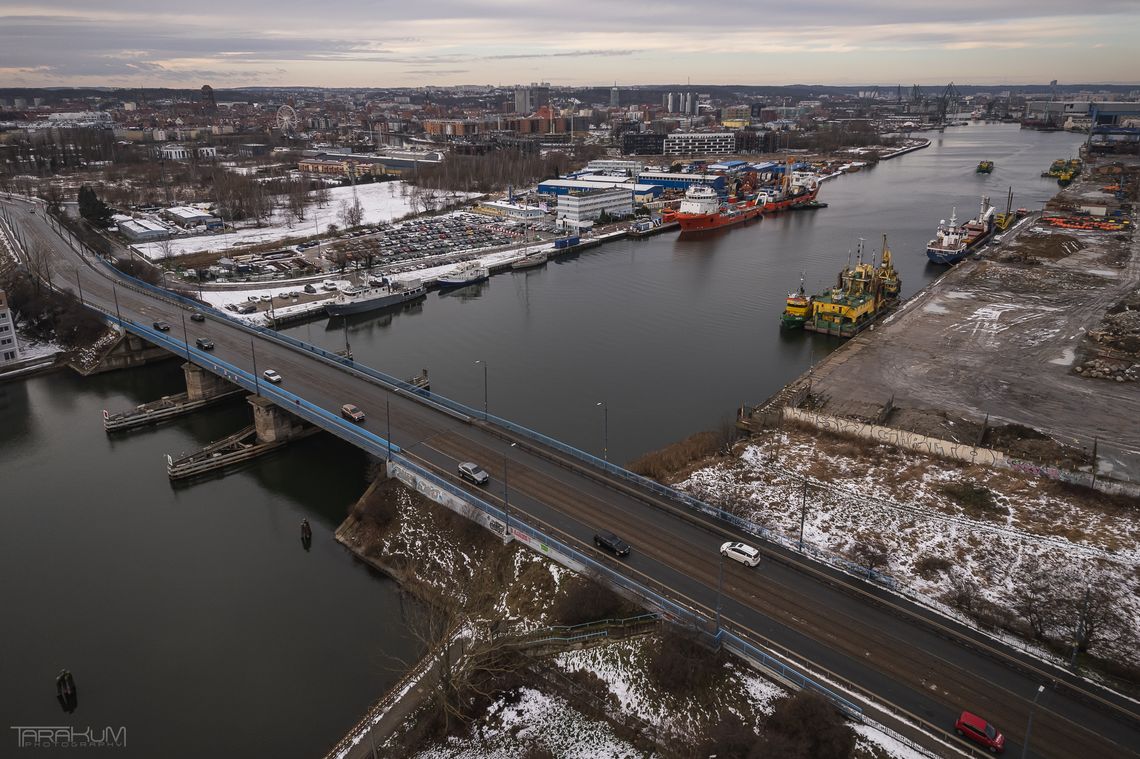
x: 349, y: 43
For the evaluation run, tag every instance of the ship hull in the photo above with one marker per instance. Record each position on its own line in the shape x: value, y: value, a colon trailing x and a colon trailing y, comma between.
x: 940, y: 256
x: 448, y: 283
x: 789, y: 203
x: 374, y: 304
x: 711, y: 221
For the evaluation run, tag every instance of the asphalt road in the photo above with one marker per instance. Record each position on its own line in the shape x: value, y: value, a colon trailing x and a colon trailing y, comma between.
x: 869, y: 641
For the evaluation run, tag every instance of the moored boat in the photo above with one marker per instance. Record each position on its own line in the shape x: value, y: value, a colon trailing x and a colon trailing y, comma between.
x: 797, y: 308
x: 531, y: 260
x: 361, y: 298
x: 862, y: 294
x: 703, y: 210
x: 797, y: 188
x: 953, y: 242
x: 465, y: 274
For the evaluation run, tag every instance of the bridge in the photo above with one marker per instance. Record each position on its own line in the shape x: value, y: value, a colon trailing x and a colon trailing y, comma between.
x: 879, y: 657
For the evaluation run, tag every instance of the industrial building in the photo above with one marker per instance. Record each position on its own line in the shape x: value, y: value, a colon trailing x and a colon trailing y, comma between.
x: 9, y: 343
x: 185, y: 216
x: 642, y: 143
x: 142, y: 230
x: 629, y: 168
x: 700, y: 143
x: 582, y: 207
x: 642, y: 193
x: 512, y: 211
x: 681, y: 182
x: 529, y: 99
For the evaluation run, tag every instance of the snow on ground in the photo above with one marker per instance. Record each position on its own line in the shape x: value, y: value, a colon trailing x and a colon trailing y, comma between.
x: 1034, y: 531
x: 382, y: 202
x: 511, y: 726
x: 33, y: 349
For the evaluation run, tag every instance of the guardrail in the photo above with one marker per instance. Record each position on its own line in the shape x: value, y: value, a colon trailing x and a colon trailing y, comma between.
x: 466, y: 413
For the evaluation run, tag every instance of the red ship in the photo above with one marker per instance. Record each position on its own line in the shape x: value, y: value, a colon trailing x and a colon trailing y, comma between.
x: 703, y: 210
x: 796, y: 189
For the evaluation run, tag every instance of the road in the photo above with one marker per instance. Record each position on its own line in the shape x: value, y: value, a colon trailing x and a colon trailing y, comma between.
x: 870, y: 642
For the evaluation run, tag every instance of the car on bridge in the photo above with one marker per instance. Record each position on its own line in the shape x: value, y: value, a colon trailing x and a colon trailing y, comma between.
x: 272, y: 376
x: 611, y: 543
x: 204, y: 343
x: 742, y: 552
x: 469, y: 470
x: 161, y: 326
x: 197, y: 316
x: 351, y: 413
x: 975, y: 728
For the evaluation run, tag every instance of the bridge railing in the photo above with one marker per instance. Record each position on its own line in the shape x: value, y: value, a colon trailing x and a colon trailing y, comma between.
x: 658, y: 598
x: 448, y: 405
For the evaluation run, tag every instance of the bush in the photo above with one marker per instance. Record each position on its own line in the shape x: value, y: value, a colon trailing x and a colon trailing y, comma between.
x: 730, y: 737
x: 806, y: 726
x: 929, y: 567
x: 977, y: 501
x: 668, y: 461
x: 681, y: 664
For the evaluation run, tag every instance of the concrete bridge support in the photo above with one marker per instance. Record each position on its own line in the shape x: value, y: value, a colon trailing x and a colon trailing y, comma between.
x: 272, y: 423
x: 203, y: 385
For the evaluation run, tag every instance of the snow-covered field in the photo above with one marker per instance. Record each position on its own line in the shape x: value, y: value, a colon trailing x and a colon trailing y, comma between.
x: 382, y: 202
x: 1033, y: 551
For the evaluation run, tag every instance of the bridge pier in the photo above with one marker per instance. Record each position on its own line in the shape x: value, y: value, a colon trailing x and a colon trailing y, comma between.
x: 202, y: 389
x: 273, y: 424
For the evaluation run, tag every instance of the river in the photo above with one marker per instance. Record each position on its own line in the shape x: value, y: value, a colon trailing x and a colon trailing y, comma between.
x: 193, y: 617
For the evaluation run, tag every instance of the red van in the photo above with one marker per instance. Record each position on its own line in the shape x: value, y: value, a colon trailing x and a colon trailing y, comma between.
x: 978, y: 730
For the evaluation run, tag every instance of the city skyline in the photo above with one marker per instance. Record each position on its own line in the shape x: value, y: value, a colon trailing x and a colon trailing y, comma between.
x: 351, y: 43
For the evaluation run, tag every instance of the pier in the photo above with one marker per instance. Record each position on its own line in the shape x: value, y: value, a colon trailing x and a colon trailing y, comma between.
x: 202, y: 389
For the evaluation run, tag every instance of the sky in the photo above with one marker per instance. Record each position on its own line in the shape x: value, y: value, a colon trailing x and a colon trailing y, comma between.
x: 380, y: 43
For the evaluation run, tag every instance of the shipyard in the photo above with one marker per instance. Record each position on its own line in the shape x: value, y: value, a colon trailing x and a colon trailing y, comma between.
x: 549, y: 419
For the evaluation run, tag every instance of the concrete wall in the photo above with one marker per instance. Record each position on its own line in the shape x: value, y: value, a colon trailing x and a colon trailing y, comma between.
x: 971, y: 454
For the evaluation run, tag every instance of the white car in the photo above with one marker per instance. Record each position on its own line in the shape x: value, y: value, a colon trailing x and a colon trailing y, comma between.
x: 742, y: 552
x: 272, y: 376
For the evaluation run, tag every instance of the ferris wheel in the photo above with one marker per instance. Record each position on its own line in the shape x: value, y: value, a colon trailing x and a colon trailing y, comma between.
x: 287, y: 119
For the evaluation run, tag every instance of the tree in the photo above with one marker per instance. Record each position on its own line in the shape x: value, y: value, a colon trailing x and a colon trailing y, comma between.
x: 92, y: 208
x: 871, y: 553
x: 297, y: 196
x: 351, y: 214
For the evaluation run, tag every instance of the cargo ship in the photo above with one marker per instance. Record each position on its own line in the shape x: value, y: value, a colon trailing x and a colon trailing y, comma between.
x: 703, y: 210
x: 361, y: 298
x: 953, y: 242
x: 985, y: 167
x: 797, y: 188
x: 861, y: 295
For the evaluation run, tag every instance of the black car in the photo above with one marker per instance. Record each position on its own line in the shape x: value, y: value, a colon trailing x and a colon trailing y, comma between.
x: 204, y: 344
x: 197, y: 316
x: 310, y: 289
x: 161, y: 326
x: 611, y: 543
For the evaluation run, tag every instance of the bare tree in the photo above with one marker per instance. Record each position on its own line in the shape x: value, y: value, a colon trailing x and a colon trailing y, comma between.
x: 351, y: 214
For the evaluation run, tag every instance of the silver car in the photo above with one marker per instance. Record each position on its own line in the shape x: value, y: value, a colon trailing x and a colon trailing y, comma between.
x: 469, y: 470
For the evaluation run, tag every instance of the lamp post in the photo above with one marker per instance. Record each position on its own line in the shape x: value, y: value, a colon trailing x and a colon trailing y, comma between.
x: 506, y: 494
x: 388, y: 416
x: 185, y: 337
x: 605, y: 430
x: 484, y: 363
x: 79, y: 282
x: 803, y: 515
x: 253, y: 355
x: 115, y: 292
x: 1029, y: 724
x: 719, y: 591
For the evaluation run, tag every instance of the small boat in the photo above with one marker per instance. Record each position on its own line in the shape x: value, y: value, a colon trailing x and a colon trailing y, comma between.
x: 811, y: 205
x: 361, y: 298
x: 531, y: 260
x: 985, y: 167
x: 797, y: 308
x: 465, y: 274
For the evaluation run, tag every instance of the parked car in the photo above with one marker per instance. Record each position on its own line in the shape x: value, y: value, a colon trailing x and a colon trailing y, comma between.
x: 310, y: 289
x: 161, y: 326
x: 204, y: 343
x: 266, y: 298
x: 272, y: 376
x: 611, y: 543
x: 469, y: 470
x: 975, y: 728
x: 197, y: 316
x: 352, y: 413
x: 742, y: 552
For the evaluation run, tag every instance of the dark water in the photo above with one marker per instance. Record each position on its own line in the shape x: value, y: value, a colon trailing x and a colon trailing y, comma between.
x: 193, y: 617
x: 675, y: 334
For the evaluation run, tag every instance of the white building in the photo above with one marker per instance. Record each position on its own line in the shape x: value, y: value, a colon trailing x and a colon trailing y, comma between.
x: 700, y: 143
x: 143, y: 230
x: 174, y: 153
x: 184, y: 216
x: 9, y: 345
x: 514, y: 211
x: 207, y: 151
x: 574, y: 208
x: 616, y: 166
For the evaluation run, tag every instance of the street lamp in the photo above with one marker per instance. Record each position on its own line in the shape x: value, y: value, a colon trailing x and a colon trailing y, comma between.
x: 115, y: 292
x: 605, y: 430
x: 719, y: 591
x: 185, y: 337
x: 484, y: 363
x: 1029, y: 725
x: 506, y: 493
x: 253, y: 354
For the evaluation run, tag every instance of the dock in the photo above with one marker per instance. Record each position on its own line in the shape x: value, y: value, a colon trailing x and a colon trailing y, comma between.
x: 637, y: 234
x: 164, y: 409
